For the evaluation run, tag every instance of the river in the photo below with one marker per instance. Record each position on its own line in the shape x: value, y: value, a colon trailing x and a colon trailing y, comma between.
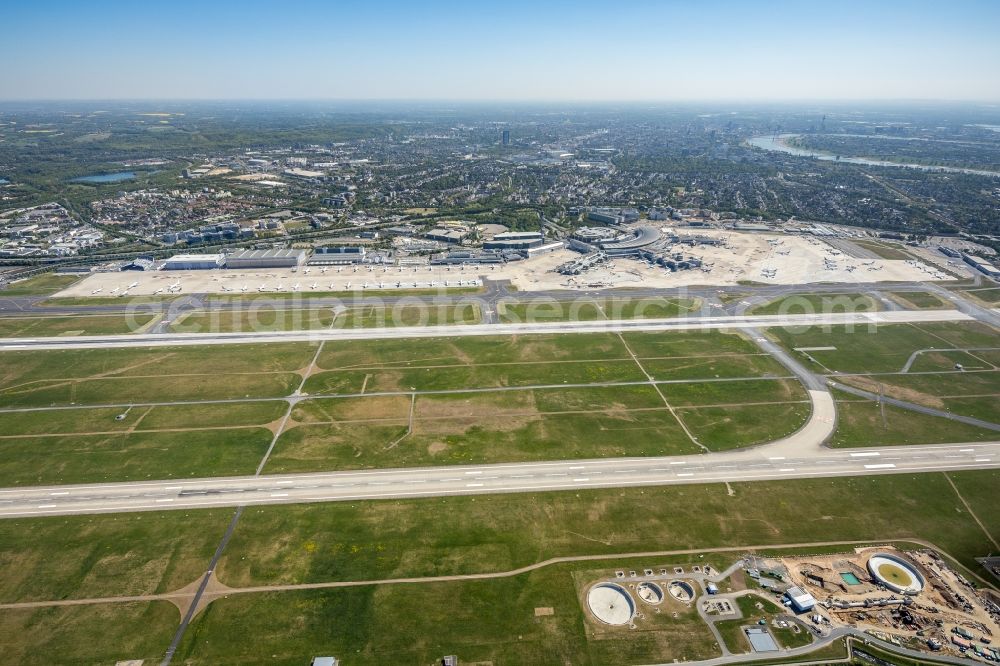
x: 781, y: 145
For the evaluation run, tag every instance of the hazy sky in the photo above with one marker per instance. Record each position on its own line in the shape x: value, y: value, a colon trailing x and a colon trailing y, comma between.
x: 538, y: 50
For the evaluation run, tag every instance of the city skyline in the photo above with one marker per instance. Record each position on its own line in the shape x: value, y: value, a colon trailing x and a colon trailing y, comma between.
x: 590, y: 51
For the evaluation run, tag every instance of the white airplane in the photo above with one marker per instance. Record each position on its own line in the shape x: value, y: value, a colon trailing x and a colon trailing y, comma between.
x: 262, y: 287
x: 381, y: 285
x: 175, y: 286
x: 398, y: 284
x: 98, y: 290
x: 224, y: 288
x: 295, y: 287
x: 124, y: 293
x: 114, y: 291
x: 348, y: 285
x: 323, y: 270
x: 134, y: 284
x: 243, y: 288
x: 305, y: 271
x: 364, y: 286
x: 160, y: 290
x: 313, y: 285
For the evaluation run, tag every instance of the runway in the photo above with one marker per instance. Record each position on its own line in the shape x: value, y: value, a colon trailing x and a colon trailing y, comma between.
x: 761, y: 464
x: 456, y: 330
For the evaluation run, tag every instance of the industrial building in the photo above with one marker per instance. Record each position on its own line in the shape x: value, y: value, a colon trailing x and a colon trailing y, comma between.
x: 193, y: 262
x: 800, y: 600
x: 250, y: 259
x: 338, y: 255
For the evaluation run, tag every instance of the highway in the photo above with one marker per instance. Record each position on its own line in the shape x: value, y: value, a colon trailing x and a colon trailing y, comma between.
x: 765, y: 463
x: 700, y: 322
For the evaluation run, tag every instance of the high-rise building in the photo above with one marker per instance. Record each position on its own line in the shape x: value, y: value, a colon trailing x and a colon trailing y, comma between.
x: 506, y: 137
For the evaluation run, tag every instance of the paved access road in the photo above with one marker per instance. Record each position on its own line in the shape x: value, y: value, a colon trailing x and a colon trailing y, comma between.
x: 769, y: 462
x: 457, y: 330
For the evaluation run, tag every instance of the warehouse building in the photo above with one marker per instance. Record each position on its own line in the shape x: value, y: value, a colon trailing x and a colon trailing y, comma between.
x: 193, y: 262
x: 250, y: 259
x: 338, y: 255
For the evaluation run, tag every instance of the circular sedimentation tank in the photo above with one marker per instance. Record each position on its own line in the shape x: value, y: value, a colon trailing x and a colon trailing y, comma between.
x: 611, y: 604
x: 651, y: 593
x: 895, y: 573
x: 681, y: 591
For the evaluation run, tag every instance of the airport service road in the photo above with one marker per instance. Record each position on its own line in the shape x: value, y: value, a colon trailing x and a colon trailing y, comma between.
x: 759, y: 464
x: 456, y: 330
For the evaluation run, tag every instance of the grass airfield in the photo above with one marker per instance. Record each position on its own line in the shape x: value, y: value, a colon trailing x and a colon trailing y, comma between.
x: 189, y: 412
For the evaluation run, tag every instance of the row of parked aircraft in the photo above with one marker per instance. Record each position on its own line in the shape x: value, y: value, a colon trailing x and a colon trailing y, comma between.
x: 170, y: 289
x: 176, y: 286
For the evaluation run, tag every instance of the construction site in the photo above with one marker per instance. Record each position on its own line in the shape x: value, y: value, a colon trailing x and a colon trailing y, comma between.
x: 912, y: 599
